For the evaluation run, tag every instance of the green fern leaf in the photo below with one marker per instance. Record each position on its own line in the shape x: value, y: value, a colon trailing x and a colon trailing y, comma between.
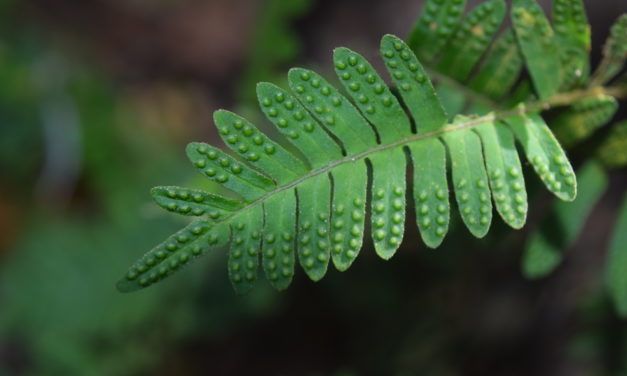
x: 231, y: 173
x: 246, y: 230
x: 258, y: 149
x: 194, y: 202
x: 470, y: 180
x: 500, y: 70
x: 314, y: 219
x: 436, y: 24
x: 504, y: 172
x: 388, y: 201
x: 571, y: 23
x: 545, y: 155
x: 311, y: 204
x: 279, y: 234
x: 538, y: 45
x: 333, y: 110
x: 413, y: 84
x: 297, y: 125
x: 348, y: 212
x: 572, y: 33
x: 371, y: 95
x: 583, y: 118
x: 431, y: 195
x: 179, y: 249
x: 471, y: 39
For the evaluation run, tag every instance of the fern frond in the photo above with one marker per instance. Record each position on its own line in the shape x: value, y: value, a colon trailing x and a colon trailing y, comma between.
x: 314, y: 208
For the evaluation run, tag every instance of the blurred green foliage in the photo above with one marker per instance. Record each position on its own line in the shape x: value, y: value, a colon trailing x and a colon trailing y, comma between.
x: 61, y: 314
x: 273, y: 47
x: 19, y: 121
x: 56, y: 283
x: 56, y: 280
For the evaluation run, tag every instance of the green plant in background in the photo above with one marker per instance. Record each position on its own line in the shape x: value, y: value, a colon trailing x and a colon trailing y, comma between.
x: 93, y: 330
x: 89, y: 331
x: 313, y: 203
x: 97, y: 336
x: 273, y: 45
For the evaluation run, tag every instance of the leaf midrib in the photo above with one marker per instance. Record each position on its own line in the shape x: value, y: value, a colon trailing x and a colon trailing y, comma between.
x: 560, y: 99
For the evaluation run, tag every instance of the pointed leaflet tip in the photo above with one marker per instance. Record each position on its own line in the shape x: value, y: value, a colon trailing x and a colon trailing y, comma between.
x: 194, y: 202
x: 260, y: 151
x: 413, y: 84
x: 223, y: 169
x: 176, y: 251
x: 297, y: 124
x: 371, y: 95
x: 545, y: 155
x: 336, y: 113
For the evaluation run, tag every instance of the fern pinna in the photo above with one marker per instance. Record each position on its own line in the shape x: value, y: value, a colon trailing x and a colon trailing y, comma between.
x: 311, y: 206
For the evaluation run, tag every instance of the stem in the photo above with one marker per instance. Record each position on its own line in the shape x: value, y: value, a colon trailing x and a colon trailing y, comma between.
x: 557, y: 100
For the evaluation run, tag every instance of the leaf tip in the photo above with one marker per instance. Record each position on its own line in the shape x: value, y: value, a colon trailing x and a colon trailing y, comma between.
x: 263, y: 87
x: 387, y: 38
x: 156, y: 191
x: 568, y: 195
x: 338, y: 52
x: 294, y: 76
x: 220, y: 116
x: 432, y: 242
x: 190, y: 150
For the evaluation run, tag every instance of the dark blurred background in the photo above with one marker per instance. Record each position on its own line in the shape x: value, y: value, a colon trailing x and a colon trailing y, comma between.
x: 98, y: 99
